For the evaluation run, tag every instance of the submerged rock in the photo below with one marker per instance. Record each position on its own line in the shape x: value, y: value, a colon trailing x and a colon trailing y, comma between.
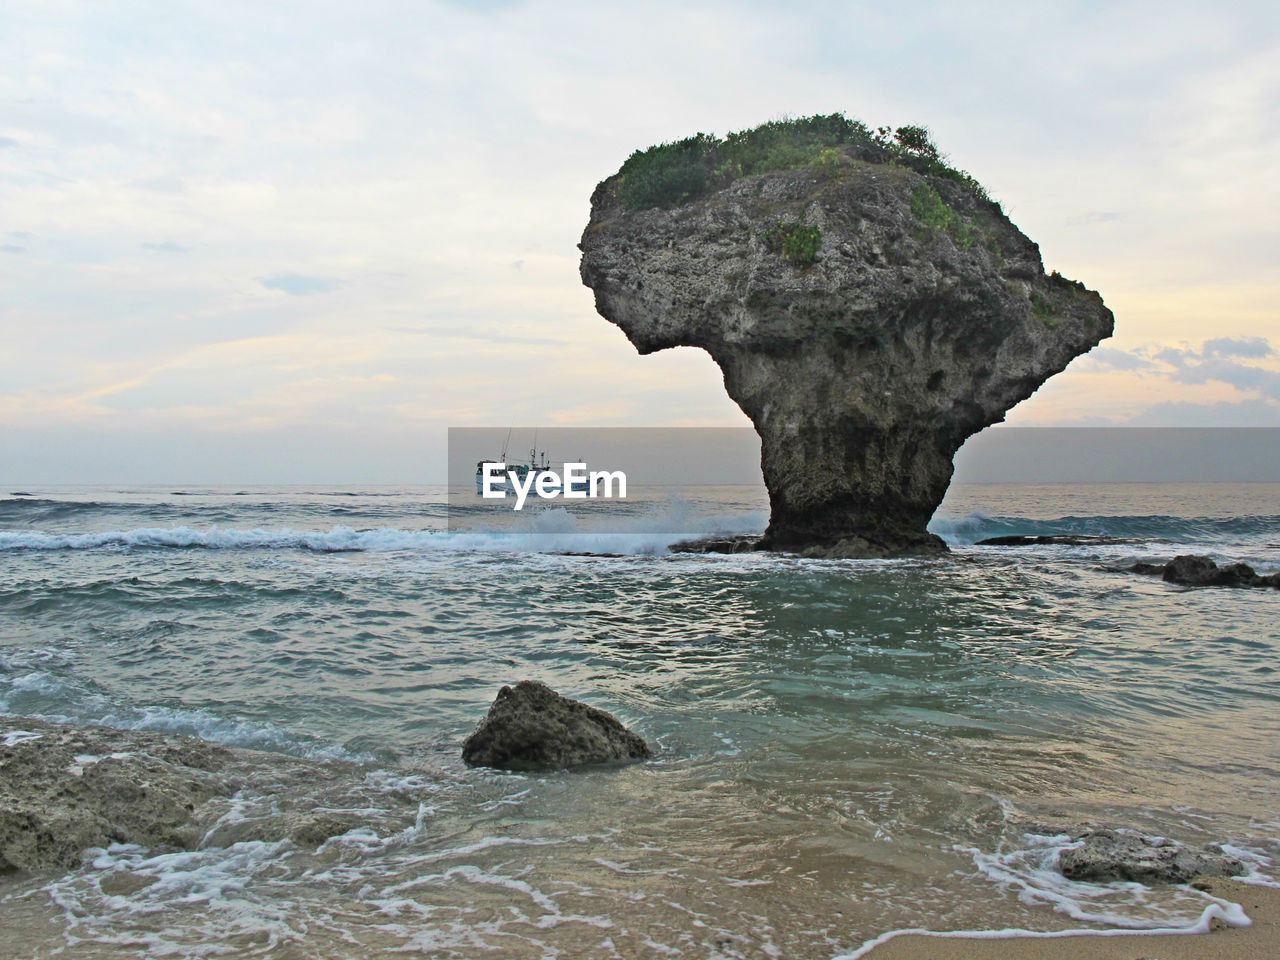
x: 65, y: 789
x: 1108, y: 855
x: 531, y: 727
x: 743, y: 543
x: 1057, y: 539
x: 307, y: 829
x: 1153, y: 569
x: 1196, y: 571
x: 1190, y: 570
x: 870, y: 309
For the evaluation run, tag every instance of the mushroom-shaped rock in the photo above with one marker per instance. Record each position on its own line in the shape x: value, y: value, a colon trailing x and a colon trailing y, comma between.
x: 869, y: 307
x: 531, y: 727
x: 1107, y: 855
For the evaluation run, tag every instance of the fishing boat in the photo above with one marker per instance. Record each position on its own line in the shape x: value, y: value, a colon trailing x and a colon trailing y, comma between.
x: 538, y: 466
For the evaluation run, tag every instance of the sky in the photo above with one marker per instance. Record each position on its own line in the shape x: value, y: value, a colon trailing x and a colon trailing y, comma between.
x: 273, y: 242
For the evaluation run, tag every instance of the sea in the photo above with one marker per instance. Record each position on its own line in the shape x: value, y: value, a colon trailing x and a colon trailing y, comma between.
x: 842, y: 748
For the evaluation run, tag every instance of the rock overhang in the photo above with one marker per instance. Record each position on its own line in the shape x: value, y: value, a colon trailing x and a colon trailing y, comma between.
x: 868, y: 317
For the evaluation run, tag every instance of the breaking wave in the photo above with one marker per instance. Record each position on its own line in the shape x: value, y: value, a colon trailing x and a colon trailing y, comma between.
x: 977, y: 526
x: 555, y: 531
x: 337, y: 539
x: 551, y: 534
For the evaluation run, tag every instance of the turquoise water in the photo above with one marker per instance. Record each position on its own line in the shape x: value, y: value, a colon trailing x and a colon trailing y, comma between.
x: 843, y: 747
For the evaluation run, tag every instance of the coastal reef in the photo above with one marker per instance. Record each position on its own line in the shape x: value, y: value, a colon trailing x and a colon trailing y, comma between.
x: 869, y: 305
x: 65, y: 789
x: 1190, y: 570
x: 1103, y: 856
x: 531, y: 727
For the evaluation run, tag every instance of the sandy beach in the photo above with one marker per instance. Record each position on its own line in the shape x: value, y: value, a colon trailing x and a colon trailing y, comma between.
x: 1259, y: 941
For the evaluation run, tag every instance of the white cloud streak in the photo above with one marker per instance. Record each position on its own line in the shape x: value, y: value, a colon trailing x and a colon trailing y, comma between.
x: 234, y: 217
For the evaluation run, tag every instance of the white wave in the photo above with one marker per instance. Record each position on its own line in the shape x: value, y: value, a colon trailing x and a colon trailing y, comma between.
x: 1118, y: 908
x: 551, y: 531
x: 961, y: 531
x: 1032, y: 873
x: 1229, y: 913
x: 1261, y: 867
x: 220, y: 538
x: 234, y: 732
x: 219, y: 881
x: 36, y: 682
x: 15, y: 737
x: 65, y: 703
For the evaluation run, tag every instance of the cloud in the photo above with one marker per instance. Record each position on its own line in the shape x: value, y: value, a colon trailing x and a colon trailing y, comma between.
x: 366, y: 147
x: 1178, y: 414
x: 162, y: 184
x: 1245, y: 347
x: 11, y: 248
x: 1248, y: 347
x: 1108, y: 358
x: 459, y: 333
x: 296, y: 285
x: 165, y: 246
x: 1097, y: 216
x: 1238, y: 375
x: 1218, y: 360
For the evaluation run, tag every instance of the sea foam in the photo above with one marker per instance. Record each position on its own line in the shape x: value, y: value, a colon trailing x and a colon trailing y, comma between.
x: 555, y: 531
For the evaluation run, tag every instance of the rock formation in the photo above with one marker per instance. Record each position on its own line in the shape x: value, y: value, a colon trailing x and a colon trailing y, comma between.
x: 65, y: 789
x: 731, y: 544
x: 869, y: 307
x: 1190, y: 570
x: 531, y: 727
x: 1103, y: 856
x: 1052, y: 539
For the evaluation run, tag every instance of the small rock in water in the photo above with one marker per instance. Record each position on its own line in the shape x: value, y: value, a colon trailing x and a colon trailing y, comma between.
x: 1055, y: 539
x: 1107, y: 855
x: 1151, y: 569
x: 734, y: 544
x: 1195, y: 571
x: 531, y: 727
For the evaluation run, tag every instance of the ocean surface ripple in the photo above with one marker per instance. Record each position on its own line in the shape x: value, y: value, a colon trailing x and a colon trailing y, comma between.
x: 844, y: 747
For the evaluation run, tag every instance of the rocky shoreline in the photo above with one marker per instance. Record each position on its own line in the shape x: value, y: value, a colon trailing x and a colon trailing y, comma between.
x: 67, y: 788
x: 1190, y: 570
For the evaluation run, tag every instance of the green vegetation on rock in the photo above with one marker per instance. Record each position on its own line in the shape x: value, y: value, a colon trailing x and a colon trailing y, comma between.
x: 1042, y: 307
x: 930, y: 209
x: 796, y: 242
x: 670, y: 174
x: 860, y: 341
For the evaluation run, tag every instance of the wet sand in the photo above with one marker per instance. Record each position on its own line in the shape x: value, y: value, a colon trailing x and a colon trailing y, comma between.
x: 1261, y: 941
